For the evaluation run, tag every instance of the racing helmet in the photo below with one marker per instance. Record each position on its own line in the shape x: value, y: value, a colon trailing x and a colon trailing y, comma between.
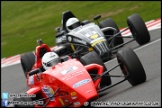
x: 50, y: 59
x: 39, y: 41
x: 72, y: 23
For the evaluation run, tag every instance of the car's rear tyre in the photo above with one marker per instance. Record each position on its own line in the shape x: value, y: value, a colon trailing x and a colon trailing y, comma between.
x: 93, y: 57
x: 27, y: 61
x: 110, y: 23
x: 131, y: 66
x: 138, y: 29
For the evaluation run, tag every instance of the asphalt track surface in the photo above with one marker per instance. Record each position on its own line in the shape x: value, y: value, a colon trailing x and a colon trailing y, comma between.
x: 146, y: 94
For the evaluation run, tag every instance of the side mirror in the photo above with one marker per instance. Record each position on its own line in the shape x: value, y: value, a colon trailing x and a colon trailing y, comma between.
x: 97, y: 17
x: 58, y: 29
x: 35, y: 71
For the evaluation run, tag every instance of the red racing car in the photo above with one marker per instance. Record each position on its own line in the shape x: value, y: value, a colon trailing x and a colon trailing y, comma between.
x: 71, y: 84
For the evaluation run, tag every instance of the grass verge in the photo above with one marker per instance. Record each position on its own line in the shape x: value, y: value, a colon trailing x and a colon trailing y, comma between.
x: 22, y: 22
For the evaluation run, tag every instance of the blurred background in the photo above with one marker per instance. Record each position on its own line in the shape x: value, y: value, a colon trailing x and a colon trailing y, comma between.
x: 23, y: 22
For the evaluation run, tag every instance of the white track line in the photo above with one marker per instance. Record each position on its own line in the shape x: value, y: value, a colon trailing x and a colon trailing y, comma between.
x: 147, y: 44
x: 137, y: 49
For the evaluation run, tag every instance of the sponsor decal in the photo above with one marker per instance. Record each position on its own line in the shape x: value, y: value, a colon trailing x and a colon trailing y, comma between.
x: 94, y: 36
x: 89, y: 91
x: 82, y: 82
x: 90, y: 49
x: 61, y: 101
x: 31, y: 79
x: 91, y: 33
x: 86, y: 103
x: 72, y: 75
x: 76, y: 103
x: 73, y: 93
x: 74, y: 97
x: 69, y: 70
x: 48, y: 91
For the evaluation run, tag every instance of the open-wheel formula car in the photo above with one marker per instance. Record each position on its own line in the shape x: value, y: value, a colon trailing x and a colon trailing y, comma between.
x: 104, y: 37
x: 71, y: 84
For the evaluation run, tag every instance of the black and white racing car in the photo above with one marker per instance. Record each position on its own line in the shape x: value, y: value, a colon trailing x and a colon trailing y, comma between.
x: 103, y: 37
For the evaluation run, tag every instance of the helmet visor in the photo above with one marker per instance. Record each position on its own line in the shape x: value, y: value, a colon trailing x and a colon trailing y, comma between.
x: 52, y: 62
x: 75, y: 25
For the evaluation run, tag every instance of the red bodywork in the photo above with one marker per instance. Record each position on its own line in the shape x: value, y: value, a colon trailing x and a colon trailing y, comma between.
x: 73, y: 80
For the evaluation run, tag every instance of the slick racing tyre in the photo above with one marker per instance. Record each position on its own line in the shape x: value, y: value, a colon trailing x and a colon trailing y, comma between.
x: 27, y: 61
x: 138, y: 29
x: 131, y: 66
x: 110, y: 23
x: 93, y: 57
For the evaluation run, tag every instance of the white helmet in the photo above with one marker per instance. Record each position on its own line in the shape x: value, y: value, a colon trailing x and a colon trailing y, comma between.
x: 50, y: 59
x: 72, y: 23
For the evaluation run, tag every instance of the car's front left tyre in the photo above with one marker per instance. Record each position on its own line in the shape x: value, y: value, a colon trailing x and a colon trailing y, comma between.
x: 131, y: 66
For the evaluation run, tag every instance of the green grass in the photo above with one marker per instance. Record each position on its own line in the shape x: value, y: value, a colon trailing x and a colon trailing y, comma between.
x: 23, y: 22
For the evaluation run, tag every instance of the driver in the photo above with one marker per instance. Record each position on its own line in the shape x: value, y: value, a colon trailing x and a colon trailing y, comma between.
x: 49, y: 60
x: 41, y: 49
x: 72, y: 23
